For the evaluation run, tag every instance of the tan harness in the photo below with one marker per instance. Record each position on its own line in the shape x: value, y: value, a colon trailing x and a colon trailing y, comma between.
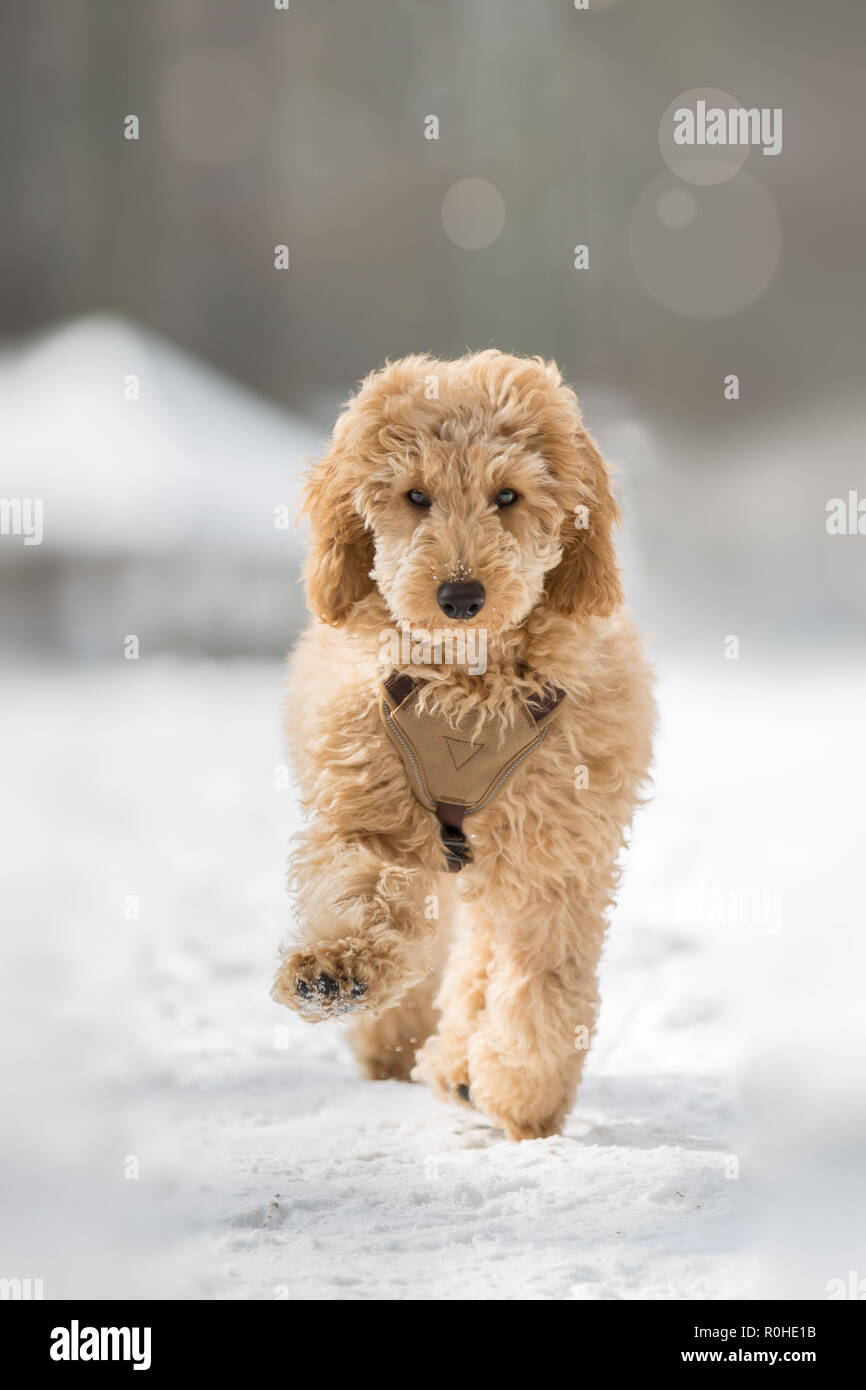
x: 456, y: 768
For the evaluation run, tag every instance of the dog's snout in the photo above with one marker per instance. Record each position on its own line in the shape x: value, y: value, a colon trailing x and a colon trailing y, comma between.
x: 461, y: 600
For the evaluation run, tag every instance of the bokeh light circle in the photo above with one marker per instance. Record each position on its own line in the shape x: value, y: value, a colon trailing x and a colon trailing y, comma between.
x: 719, y: 260
x: 700, y: 164
x: 676, y: 207
x: 473, y: 213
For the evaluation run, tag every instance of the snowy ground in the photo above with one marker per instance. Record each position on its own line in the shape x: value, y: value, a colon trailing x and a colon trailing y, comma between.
x: 169, y: 1131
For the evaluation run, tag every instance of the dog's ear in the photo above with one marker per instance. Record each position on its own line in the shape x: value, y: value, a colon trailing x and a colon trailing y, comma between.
x: 341, y: 551
x: 586, y: 581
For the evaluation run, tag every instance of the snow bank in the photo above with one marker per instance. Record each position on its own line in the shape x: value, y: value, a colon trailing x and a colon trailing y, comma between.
x: 159, y: 480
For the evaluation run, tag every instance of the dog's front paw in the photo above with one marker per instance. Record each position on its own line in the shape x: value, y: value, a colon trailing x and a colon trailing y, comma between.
x: 337, y: 977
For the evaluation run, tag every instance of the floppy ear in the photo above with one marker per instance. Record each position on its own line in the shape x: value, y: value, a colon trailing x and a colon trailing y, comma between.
x: 341, y: 551
x: 586, y: 581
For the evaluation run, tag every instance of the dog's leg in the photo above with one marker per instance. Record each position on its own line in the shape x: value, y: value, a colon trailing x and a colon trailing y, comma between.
x: 443, y: 1062
x: 527, y: 1053
x: 365, y: 937
x: 386, y: 1045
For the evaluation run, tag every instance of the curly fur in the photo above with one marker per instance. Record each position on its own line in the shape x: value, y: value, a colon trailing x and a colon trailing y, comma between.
x: 520, y: 930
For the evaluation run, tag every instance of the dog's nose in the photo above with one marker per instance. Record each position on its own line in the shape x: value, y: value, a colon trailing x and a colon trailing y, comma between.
x: 464, y: 600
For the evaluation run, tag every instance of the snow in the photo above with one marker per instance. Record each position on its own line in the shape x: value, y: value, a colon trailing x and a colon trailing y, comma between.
x: 121, y: 432
x: 268, y: 1167
x: 167, y: 1131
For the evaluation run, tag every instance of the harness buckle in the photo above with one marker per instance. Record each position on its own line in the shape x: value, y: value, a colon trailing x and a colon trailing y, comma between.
x: 457, y: 848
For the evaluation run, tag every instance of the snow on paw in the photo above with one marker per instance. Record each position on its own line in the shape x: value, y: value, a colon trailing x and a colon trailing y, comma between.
x: 337, y: 977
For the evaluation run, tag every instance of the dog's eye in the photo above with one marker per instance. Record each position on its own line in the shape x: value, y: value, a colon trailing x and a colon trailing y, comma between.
x: 506, y: 498
x: 418, y: 498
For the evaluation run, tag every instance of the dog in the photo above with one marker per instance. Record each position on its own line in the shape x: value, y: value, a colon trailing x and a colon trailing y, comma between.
x: 466, y: 497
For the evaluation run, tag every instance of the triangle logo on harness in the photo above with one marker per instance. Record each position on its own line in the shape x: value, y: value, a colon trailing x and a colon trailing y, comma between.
x: 461, y: 751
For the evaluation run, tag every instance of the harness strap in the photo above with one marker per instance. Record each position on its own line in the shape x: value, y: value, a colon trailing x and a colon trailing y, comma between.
x: 399, y: 686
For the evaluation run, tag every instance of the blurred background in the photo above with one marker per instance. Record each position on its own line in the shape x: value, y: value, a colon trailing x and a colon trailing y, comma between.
x: 219, y: 216
x: 153, y: 259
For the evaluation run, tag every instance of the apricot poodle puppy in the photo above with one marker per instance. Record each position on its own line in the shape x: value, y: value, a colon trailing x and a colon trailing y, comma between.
x: 470, y: 717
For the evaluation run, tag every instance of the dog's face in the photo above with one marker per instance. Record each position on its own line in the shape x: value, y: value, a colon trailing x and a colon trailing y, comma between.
x: 468, y: 492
